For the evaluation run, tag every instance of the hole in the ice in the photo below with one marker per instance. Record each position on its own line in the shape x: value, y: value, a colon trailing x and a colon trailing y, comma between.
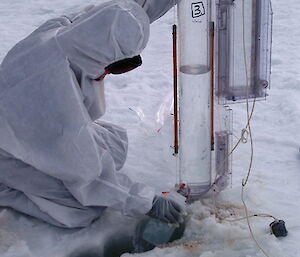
x: 114, y: 247
x: 119, y: 244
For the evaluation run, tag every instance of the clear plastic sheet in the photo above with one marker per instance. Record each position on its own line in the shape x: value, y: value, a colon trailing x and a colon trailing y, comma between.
x: 153, y: 123
x: 244, y: 38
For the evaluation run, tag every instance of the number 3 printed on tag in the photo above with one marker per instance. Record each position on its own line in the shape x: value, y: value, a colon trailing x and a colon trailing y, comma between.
x: 198, y: 9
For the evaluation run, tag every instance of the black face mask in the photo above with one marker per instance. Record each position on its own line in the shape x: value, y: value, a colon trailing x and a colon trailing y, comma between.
x: 124, y: 65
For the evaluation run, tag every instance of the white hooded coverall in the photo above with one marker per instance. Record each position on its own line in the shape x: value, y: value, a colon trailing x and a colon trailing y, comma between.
x: 56, y: 163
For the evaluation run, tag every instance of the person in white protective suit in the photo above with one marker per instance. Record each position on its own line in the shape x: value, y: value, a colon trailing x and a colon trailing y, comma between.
x: 56, y: 163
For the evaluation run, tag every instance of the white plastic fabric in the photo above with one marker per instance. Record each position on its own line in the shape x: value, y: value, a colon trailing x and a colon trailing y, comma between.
x: 56, y: 163
x: 156, y: 8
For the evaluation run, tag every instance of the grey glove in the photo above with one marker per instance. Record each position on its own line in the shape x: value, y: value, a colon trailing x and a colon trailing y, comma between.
x: 166, y: 210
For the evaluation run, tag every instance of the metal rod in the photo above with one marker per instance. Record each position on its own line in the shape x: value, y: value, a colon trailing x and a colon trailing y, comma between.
x: 176, y: 140
x: 212, y: 54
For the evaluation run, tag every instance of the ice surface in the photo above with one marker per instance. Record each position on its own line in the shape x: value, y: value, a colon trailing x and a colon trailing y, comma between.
x: 274, y: 185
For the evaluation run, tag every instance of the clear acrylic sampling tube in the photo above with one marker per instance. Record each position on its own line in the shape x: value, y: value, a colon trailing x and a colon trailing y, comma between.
x: 194, y: 21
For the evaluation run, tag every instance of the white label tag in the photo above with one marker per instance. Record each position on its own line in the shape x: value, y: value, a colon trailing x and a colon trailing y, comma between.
x: 198, y: 9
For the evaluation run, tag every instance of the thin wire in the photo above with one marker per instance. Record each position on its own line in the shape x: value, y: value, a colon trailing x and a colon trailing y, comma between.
x: 249, y: 225
x: 249, y: 116
x: 260, y: 215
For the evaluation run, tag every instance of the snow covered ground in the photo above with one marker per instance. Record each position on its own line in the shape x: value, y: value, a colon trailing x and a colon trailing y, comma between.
x: 275, y: 181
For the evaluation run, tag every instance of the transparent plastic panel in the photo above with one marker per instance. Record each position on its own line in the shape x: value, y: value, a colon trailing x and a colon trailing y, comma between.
x: 194, y: 95
x: 223, y: 138
x: 243, y: 51
x: 244, y: 48
x: 222, y: 160
x: 224, y: 46
x: 265, y: 42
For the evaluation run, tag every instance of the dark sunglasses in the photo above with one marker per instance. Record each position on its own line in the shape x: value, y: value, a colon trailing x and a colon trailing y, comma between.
x: 123, y: 66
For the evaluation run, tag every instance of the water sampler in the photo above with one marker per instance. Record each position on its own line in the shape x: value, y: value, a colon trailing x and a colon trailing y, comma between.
x: 222, y: 55
x: 216, y: 63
